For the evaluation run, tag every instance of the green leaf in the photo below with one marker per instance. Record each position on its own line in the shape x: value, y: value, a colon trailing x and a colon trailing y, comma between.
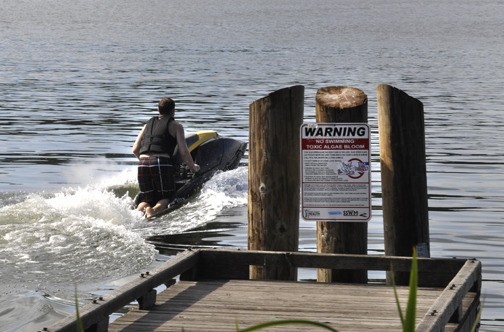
x: 398, y: 304
x: 287, y: 322
x: 80, y: 327
x: 410, y: 320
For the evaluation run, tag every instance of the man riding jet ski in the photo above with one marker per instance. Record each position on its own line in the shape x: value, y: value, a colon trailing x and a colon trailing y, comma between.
x: 161, y: 146
x: 212, y: 153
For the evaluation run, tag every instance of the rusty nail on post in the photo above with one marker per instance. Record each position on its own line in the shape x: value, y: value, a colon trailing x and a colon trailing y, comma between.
x: 147, y: 273
x: 94, y: 301
x: 100, y: 298
x: 141, y: 275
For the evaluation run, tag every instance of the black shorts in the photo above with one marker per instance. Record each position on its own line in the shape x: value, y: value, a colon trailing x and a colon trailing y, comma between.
x: 155, y: 178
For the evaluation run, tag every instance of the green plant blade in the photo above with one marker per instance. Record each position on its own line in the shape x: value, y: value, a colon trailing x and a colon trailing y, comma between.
x: 398, y: 303
x: 287, y: 322
x: 80, y: 327
x: 410, y: 319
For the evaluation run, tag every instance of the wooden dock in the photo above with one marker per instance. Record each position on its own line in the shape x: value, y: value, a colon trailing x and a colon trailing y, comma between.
x: 209, y: 290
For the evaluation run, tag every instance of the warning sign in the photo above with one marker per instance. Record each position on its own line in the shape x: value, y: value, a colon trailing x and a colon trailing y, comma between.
x: 335, y: 172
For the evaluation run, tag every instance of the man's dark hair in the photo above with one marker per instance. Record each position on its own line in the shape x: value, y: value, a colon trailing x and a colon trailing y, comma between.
x: 166, y: 105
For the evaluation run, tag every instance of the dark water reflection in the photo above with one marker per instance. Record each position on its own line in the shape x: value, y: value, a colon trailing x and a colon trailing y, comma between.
x: 211, y: 235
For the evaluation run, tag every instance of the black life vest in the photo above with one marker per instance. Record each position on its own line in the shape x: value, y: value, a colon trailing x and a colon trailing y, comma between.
x: 156, y: 137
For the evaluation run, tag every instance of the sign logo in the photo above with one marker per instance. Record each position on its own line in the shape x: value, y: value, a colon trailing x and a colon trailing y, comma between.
x: 309, y: 214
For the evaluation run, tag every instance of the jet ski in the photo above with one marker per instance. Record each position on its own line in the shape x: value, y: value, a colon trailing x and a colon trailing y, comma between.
x: 212, y: 153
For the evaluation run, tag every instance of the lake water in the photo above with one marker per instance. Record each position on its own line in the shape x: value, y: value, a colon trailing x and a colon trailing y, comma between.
x: 79, y: 78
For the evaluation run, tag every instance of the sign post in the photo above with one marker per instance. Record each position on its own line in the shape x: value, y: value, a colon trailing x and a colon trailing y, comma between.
x: 336, y: 172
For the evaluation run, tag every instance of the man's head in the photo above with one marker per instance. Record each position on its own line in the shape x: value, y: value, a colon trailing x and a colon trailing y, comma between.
x: 166, y: 105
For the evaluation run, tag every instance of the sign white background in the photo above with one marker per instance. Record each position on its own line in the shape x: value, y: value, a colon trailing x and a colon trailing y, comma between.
x: 335, y: 171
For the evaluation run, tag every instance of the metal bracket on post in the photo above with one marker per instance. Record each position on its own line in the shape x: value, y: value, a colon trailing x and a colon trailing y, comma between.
x: 148, y: 300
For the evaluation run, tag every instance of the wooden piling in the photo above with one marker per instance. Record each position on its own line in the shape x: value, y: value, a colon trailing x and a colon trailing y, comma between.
x: 338, y: 104
x: 274, y: 179
x: 403, y: 174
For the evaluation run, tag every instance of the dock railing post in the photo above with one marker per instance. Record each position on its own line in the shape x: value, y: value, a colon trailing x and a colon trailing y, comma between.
x: 339, y: 104
x: 274, y: 179
x: 403, y: 175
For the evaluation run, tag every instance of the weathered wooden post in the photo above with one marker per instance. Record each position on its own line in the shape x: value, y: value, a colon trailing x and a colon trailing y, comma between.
x: 403, y: 174
x: 344, y: 105
x: 274, y: 179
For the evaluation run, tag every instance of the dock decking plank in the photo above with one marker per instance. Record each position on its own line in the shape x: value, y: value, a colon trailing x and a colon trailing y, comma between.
x: 213, y: 293
x: 218, y: 305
